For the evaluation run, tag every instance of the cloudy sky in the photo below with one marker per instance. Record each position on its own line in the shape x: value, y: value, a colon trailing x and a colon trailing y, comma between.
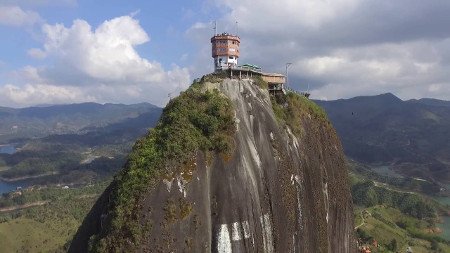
x: 68, y: 51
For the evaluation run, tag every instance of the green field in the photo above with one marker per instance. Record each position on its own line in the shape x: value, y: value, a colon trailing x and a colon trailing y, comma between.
x: 385, y: 224
x: 49, y: 227
x: 28, y: 235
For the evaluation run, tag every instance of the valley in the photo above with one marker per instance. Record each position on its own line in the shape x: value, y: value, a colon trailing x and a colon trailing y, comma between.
x: 410, y: 137
x: 400, y: 148
x: 84, y: 161
x: 50, y: 182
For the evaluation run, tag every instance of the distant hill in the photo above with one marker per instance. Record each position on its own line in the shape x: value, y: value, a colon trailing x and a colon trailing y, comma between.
x: 413, y: 135
x: 116, y: 133
x: 33, y: 122
x: 434, y: 102
x: 71, y: 144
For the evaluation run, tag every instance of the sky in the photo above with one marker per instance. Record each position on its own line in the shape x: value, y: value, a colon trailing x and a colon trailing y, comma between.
x: 72, y: 51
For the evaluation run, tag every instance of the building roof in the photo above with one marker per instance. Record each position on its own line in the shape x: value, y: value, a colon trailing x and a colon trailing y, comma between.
x: 225, y: 36
x: 272, y: 74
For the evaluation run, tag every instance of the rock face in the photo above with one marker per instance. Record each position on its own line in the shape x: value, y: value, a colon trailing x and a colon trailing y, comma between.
x: 277, y: 192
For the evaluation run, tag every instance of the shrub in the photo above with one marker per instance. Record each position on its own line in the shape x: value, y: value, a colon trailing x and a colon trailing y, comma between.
x: 392, y: 246
x: 367, y: 194
x: 214, y: 77
x: 293, y: 108
x: 260, y: 82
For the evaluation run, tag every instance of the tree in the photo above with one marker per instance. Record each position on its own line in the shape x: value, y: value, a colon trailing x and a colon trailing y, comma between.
x: 434, y: 245
x: 363, y: 235
x: 392, y: 246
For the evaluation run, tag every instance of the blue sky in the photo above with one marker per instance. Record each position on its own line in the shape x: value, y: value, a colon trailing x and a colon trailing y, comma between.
x: 69, y: 51
x: 165, y: 24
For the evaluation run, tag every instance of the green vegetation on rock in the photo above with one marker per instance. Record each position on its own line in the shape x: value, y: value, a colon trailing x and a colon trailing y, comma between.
x: 197, y: 120
x: 260, y: 82
x: 215, y: 77
x: 293, y: 108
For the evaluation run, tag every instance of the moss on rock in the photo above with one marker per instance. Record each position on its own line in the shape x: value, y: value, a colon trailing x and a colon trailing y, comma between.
x: 197, y: 120
x: 292, y: 108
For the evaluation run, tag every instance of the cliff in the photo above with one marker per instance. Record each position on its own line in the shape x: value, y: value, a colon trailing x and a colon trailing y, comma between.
x: 240, y: 174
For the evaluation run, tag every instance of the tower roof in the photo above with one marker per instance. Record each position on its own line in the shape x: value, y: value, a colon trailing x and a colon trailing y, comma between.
x: 225, y: 36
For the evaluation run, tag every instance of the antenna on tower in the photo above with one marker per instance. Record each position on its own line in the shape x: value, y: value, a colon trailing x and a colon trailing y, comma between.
x: 237, y: 28
x: 215, y: 27
x: 287, y: 73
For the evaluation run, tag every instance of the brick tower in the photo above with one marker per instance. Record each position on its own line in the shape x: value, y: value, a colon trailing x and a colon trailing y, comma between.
x: 225, y: 51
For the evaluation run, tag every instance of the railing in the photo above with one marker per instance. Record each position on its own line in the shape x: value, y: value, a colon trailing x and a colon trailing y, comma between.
x: 241, y: 68
x: 302, y: 93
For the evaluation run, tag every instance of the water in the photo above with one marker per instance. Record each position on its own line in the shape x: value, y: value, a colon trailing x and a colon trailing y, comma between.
x: 7, y: 149
x: 10, y: 186
x: 386, y: 171
x: 443, y: 200
x: 445, y: 227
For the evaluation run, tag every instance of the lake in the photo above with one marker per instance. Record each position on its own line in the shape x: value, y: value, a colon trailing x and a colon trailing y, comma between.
x: 443, y: 200
x: 386, y: 171
x: 10, y: 186
x: 445, y: 227
x: 7, y: 149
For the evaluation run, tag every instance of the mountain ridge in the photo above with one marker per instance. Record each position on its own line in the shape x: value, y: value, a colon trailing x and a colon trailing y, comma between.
x: 411, y: 136
x: 37, y: 122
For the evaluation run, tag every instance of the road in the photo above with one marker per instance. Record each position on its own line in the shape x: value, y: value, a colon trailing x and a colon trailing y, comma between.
x: 13, y: 208
x: 362, y: 222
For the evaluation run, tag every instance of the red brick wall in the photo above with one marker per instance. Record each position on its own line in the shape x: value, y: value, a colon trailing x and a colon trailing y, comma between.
x: 225, y: 45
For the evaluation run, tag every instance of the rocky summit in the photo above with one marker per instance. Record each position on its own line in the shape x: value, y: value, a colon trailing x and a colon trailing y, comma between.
x: 228, y: 169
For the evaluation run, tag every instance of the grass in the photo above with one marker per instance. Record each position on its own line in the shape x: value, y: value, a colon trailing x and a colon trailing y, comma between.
x: 28, y: 235
x: 386, y: 223
x: 408, y: 218
x: 195, y: 121
x: 215, y: 77
x: 47, y: 228
x: 294, y: 108
x: 260, y: 82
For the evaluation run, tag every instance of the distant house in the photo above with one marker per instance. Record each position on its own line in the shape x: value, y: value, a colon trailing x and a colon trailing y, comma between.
x: 365, y: 249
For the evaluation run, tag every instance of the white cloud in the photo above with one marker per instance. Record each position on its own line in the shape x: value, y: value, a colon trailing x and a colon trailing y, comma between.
x: 99, y: 64
x: 36, y: 53
x: 106, y: 54
x: 15, y: 16
x: 32, y: 94
x: 29, y: 74
x: 399, y: 68
x: 279, y: 15
x: 343, y: 48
